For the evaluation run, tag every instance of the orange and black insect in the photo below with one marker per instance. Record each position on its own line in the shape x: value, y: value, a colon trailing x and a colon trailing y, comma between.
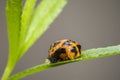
x: 64, y: 50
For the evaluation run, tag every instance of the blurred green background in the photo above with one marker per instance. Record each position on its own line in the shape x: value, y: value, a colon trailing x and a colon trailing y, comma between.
x: 92, y: 23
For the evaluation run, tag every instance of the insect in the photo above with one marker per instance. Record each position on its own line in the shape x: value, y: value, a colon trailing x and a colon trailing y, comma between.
x: 64, y: 50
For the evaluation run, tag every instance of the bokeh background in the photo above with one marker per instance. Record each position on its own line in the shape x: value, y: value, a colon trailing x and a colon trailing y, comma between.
x: 92, y: 23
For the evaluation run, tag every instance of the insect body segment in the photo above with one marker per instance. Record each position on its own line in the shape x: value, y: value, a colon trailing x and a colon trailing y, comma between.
x: 64, y: 50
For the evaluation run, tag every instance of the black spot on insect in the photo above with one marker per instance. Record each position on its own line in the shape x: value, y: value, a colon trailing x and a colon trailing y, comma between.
x: 66, y: 43
x: 73, y: 41
x: 56, y: 43
x: 58, y: 52
x: 79, y: 47
x: 53, y: 60
x: 52, y: 50
x: 74, y: 50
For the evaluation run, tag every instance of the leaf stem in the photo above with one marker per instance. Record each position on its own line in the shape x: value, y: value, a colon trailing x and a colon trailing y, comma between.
x: 86, y: 55
x: 7, y: 71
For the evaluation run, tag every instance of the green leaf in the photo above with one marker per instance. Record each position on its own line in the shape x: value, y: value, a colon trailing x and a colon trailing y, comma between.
x: 26, y: 18
x: 86, y: 55
x: 43, y: 16
x: 13, y: 15
x: 25, y: 27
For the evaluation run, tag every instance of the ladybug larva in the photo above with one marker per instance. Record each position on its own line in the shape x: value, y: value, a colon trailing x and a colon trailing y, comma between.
x: 64, y: 50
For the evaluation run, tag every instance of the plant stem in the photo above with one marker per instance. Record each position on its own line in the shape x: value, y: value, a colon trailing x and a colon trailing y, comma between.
x: 86, y: 55
x: 7, y: 72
